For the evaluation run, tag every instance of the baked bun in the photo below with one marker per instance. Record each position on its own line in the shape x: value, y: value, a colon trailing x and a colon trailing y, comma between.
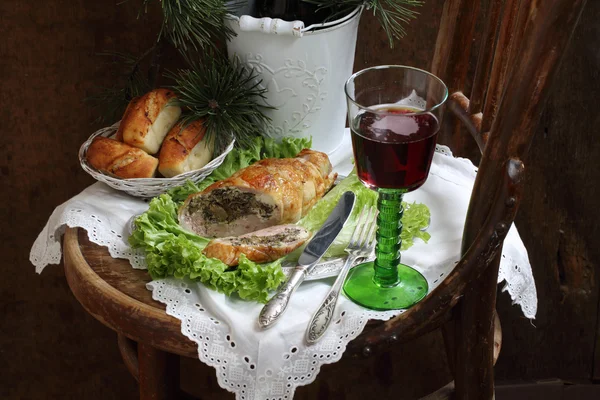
x: 119, y: 134
x: 185, y: 150
x: 148, y: 119
x: 120, y: 159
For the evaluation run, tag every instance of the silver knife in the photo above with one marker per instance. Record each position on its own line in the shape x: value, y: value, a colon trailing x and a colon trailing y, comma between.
x: 308, y: 259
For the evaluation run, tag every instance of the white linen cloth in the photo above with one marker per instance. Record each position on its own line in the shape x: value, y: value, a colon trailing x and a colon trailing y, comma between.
x: 256, y: 364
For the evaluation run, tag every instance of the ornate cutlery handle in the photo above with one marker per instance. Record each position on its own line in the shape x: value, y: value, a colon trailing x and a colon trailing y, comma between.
x: 278, y: 303
x: 324, y: 314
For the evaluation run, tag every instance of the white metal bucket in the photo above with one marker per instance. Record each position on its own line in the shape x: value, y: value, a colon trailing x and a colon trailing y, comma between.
x: 304, y: 71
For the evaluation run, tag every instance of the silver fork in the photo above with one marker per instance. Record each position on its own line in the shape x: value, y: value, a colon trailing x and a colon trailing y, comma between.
x: 361, y: 244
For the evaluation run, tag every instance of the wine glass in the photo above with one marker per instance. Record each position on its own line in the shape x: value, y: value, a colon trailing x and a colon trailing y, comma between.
x: 394, y: 114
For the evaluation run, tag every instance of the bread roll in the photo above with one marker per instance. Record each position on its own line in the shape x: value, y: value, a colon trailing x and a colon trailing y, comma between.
x: 148, y: 119
x: 119, y: 135
x: 121, y: 159
x: 185, y: 150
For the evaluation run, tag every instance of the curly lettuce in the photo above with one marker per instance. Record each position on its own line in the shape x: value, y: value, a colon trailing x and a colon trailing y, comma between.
x: 415, y: 221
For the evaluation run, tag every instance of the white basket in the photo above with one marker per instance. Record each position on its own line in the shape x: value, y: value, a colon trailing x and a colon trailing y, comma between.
x: 144, y: 187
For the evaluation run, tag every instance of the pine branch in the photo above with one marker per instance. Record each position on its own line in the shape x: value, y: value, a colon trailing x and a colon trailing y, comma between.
x: 132, y: 82
x: 392, y: 14
x: 196, y: 24
x: 224, y: 94
x: 155, y: 68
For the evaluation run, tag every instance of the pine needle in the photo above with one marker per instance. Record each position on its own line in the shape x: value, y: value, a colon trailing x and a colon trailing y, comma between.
x: 195, y: 24
x: 131, y: 82
x: 224, y: 94
x: 392, y: 14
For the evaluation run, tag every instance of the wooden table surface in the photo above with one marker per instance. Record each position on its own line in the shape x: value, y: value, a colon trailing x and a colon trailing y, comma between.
x: 117, y: 272
x: 115, y: 294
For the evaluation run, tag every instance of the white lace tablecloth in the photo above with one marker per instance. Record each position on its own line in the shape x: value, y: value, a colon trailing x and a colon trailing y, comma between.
x: 259, y: 365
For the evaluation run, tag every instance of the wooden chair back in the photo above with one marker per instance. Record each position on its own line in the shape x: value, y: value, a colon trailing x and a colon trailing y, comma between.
x: 519, y: 54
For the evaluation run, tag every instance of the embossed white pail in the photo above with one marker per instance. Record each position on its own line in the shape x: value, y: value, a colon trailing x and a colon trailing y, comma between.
x: 304, y: 70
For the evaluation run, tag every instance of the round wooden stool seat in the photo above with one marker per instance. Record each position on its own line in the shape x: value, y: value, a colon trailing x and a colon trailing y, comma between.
x: 151, y: 341
x: 115, y: 294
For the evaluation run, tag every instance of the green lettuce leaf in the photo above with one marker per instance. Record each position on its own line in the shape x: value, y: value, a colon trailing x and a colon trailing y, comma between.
x: 159, y: 223
x: 255, y: 280
x: 415, y: 218
x: 180, y: 193
x: 316, y: 217
x: 414, y: 222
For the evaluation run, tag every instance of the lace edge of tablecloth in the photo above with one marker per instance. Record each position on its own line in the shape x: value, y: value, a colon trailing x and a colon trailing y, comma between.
x: 47, y: 248
x: 168, y: 292
x: 174, y: 308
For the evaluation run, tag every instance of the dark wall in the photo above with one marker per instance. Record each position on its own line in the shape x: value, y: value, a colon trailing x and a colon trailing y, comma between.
x: 50, y: 348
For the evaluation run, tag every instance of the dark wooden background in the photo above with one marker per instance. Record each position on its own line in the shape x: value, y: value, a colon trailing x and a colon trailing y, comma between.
x: 50, y: 348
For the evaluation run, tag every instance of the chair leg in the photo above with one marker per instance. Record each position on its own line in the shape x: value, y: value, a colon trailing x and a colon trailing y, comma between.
x: 128, y: 349
x: 158, y: 373
x: 448, y: 330
x: 474, y: 338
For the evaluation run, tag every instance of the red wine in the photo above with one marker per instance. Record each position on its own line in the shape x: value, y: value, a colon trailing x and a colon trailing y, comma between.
x: 394, y: 151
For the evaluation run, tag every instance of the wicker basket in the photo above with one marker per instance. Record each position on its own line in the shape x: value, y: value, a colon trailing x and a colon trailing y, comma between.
x: 144, y: 187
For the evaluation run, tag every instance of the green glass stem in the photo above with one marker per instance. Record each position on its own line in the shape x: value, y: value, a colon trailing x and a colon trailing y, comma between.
x: 386, y: 283
x: 387, y: 250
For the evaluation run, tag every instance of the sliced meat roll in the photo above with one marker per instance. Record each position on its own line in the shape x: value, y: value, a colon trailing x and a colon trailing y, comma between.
x: 270, y: 192
x: 261, y: 246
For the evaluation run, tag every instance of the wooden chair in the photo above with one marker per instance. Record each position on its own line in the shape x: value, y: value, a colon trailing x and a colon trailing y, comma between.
x: 522, y: 43
x: 519, y: 54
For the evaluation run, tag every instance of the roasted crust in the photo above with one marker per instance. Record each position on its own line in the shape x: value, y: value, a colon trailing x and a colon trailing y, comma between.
x: 230, y: 254
x: 126, y: 115
x: 273, y: 247
x: 140, y: 115
x: 295, y: 183
x: 121, y: 159
x: 178, y: 146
